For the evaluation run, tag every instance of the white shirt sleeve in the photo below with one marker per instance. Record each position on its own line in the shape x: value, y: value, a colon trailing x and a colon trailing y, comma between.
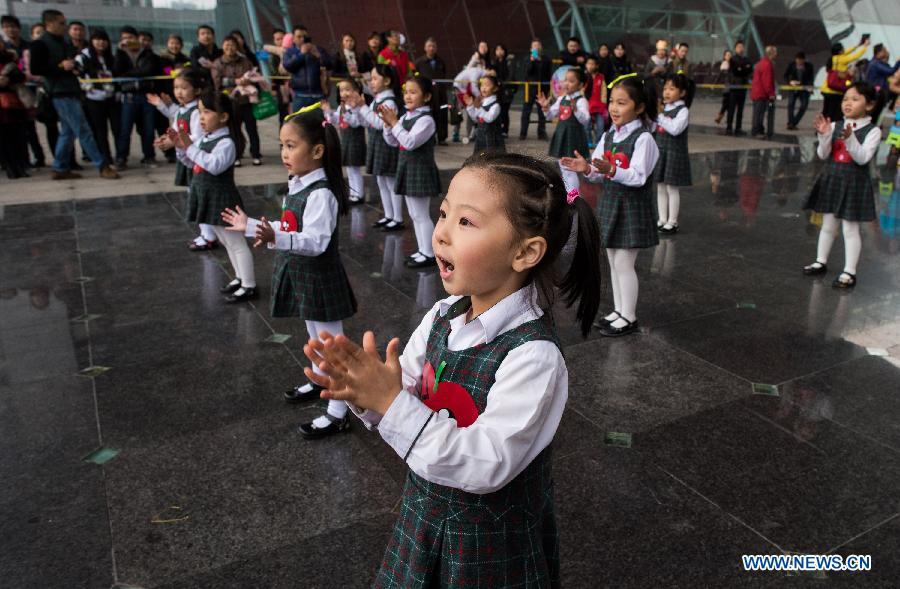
x: 862, y: 153
x: 371, y: 117
x: 319, y: 220
x: 553, y: 111
x: 351, y: 116
x: 582, y: 111
x: 196, y: 127
x: 332, y: 116
x: 422, y: 131
x: 523, y: 411
x: 488, y: 115
x: 824, y: 149
x: 218, y: 160
x: 674, y: 125
x: 643, y: 160
x: 170, y: 111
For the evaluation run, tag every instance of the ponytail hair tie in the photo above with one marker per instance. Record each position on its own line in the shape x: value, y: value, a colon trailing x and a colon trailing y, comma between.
x: 572, y: 195
x: 620, y: 78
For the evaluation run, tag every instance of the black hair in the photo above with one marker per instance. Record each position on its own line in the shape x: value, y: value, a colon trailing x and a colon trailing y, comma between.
x: 386, y: 71
x: 836, y: 49
x: 579, y: 74
x: 683, y: 83
x: 576, y: 39
x: 536, y: 205
x: 128, y: 29
x: 222, y: 104
x: 279, y: 30
x: 800, y: 55
x: 50, y: 15
x: 193, y: 77
x: 602, y: 45
x: 683, y: 44
x: 870, y: 94
x: 354, y: 82
x: 593, y: 58
x: 622, y: 45
x: 146, y: 34
x: 207, y: 27
x: 230, y: 38
x: 176, y: 37
x: 493, y: 80
x: 99, y: 33
x: 77, y: 23
x: 238, y: 34
x: 739, y: 42
x: 643, y: 93
x: 299, y: 27
x: 878, y: 47
x: 312, y: 128
x: 8, y: 19
x: 427, y: 87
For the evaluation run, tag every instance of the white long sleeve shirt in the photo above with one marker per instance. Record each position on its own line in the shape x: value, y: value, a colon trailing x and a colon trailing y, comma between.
x: 862, y: 153
x: 370, y: 115
x: 643, y: 160
x: 422, y: 130
x: 523, y: 411
x: 487, y: 112
x: 219, y: 159
x: 319, y: 220
x: 351, y: 117
x: 171, y: 112
x: 581, y: 110
x: 674, y: 125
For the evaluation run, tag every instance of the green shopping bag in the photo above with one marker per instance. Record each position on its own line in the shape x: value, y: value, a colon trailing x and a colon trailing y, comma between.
x: 266, y: 107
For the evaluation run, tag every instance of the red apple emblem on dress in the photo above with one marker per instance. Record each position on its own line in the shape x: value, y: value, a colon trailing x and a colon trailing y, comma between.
x: 839, y: 152
x: 621, y: 160
x: 184, y: 126
x: 342, y: 123
x: 288, y: 221
x: 565, y: 112
x: 197, y: 169
x: 448, y: 397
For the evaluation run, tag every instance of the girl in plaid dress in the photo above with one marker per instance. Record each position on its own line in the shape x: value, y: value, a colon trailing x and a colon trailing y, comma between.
x: 843, y: 189
x: 417, y: 173
x: 309, y: 280
x: 485, y: 111
x: 623, y: 162
x: 673, y: 169
x: 211, y: 160
x: 185, y: 115
x: 352, y: 131
x: 474, y: 401
x: 574, y: 114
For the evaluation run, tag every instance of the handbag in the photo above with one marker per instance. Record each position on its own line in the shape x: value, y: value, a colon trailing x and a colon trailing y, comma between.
x: 837, y: 81
x: 10, y: 101
x: 266, y: 107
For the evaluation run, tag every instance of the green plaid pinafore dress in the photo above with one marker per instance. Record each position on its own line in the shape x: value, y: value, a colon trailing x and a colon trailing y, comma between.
x: 627, y: 214
x: 183, y: 173
x: 843, y: 187
x: 489, y: 136
x: 674, y: 165
x: 570, y: 134
x: 417, y: 172
x: 210, y: 195
x: 446, y: 537
x: 311, y: 288
x: 353, y: 143
x: 381, y: 158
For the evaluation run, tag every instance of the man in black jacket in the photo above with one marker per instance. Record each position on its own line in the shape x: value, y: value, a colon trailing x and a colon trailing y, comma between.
x: 433, y: 67
x: 135, y: 61
x: 739, y: 73
x: 799, y: 75
x: 539, y: 70
x: 53, y: 58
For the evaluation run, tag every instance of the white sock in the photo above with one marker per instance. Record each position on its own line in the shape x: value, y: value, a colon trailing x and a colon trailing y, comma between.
x: 206, y: 232
x: 397, y: 199
x: 628, y: 285
x: 235, y: 282
x: 613, y: 282
x: 674, y: 205
x: 662, y: 204
x: 422, y: 223
x: 336, y: 409
x: 384, y: 190
x: 826, y: 237
x: 355, y: 181
x: 852, y: 246
x: 200, y: 241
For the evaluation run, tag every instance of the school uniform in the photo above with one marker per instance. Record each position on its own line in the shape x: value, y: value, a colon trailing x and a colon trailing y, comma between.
x: 417, y: 172
x: 489, y: 128
x: 844, y: 186
x: 352, y: 130
x: 309, y: 280
x: 381, y: 158
x: 480, y: 404
x: 570, y: 135
x: 183, y: 118
x: 674, y: 164
x: 626, y: 212
x: 212, y: 186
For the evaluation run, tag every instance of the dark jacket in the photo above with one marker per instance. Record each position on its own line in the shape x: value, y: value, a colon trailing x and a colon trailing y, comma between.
x: 539, y: 70
x: 879, y: 71
x: 433, y: 71
x: 341, y: 69
x: 740, y: 70
x: 304, y: 69
x: 172, y: 60
x: 620, y: 67
x: 572, y: 58
x: 200, y: 51
x: 145, y: 65
x: 367, y: 62
x: 805, y: 77
x: 46, y: 55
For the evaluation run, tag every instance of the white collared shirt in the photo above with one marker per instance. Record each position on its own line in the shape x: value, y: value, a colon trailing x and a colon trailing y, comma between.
x: 319, y: 219
x: 219, y: 159
x: 862, y: 153
x: 370, y: 115
x: 674, y: 125
x: 351, y: 117
x: 643, y: 160
x: 524, y: 406
x: 422, y: 130
x: 581, y: 109
x: 171, y: 112
x: 487, y: 112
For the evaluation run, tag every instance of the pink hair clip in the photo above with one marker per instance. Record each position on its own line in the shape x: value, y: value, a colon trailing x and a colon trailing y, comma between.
x: 572, y: 195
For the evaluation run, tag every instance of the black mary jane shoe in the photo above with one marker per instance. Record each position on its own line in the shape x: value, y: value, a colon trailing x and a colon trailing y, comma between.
x: 393, y: 226
x: 838, y: 283
x: 295, y: 395
x: 815, y: 269
x: 247, y: 295
x: 336, y: 426
x: 357, y: 201
x: 603, y: 321
x: 428, y: 262
x: 230, y: 288
x: 609, y: 331
x: 668, y: 231
x: 381, y: 222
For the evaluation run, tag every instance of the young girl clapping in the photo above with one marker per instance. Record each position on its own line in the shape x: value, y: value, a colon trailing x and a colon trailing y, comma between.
x: 352, y: 130
x: 673, y: 169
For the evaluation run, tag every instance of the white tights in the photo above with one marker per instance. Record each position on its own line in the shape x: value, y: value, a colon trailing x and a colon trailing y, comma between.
x: 392, y: 203
x: 238, y: 254
x: 852, y: 241
x: 335, y: 408
x: 355, y: 181
x: 624, y: 284
x: 206, y: 232
x: 422, y: 223
x: 668, y: 201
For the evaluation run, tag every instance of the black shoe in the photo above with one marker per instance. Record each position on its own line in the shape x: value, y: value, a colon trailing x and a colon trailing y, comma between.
x: 357, y: 201
x: 39, y: 164
x: 295, y: 395
x: 729, y: 132
x: 814, y: 270
x: 381, y: 222
x: 426, y: 263
x: 542, y: 137
x: 740, y: 133
x: 522, y: 137
x: 77, y: 167
x: 248, y: 294
x: 838, y: 283
x: 393, y: 226
x: 229, y: 288
x: 311, y: 432
x: 668, y: 231
x: 609, y: 331
x: 121, y: 164
x: 603, y: 321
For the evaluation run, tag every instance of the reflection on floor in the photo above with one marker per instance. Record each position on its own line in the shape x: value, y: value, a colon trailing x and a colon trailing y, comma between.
x: 760, y: 406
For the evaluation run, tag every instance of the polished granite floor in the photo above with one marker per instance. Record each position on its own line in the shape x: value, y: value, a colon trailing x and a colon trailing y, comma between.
x: 144, y: 443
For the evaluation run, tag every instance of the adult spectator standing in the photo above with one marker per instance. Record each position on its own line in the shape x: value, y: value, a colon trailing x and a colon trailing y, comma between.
x: 13, y: 117
x: 100, y: 105
x: 395, y: 56
x: 326, y: 64
x: 160, y: 122
x: 12, y: 33
x: 431, y: 65
x: 78, y: 35
x: 573, y: 54
x: 680, y: 62
x: 877, y: 75
x: 835, y: 83
x: 243, y: 48
x: 281, y: 88
x: 605, y: 61
x: 370, y: 55
x: 539, y: 70
x: 53, y: 58
x: 799, y: 76
x: 620, y: 64
x: 302, y: 61
x: 722, y: 77
x: 205, y: 52
x: 229, y: 74
x: 173, y: 58
x: 739, y: 74
x: 500, y: 67
x: 346, y: 59
x: 134, y: 61
x: 658, y: 64
x: 762, y: 94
